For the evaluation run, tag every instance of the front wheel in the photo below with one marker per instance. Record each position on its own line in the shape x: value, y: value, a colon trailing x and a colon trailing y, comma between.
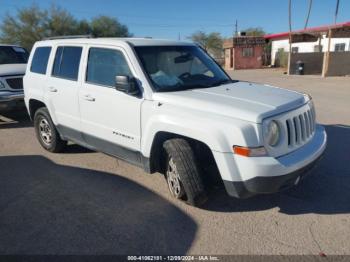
x: 182, y: 172
x: 46, y: 132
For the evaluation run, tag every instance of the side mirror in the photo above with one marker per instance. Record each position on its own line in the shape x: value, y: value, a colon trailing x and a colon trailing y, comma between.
x: 127, y: 85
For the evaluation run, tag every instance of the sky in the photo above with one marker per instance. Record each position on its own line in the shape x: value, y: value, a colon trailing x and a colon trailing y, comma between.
x: 174, y: 19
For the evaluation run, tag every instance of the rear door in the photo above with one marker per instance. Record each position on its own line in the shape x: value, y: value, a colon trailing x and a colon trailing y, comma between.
x: 63, y: 87
x: 110, y: 118
x: 34, y: 81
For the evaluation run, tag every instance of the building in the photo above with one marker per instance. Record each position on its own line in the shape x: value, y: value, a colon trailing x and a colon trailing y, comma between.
x: 244, y: 52
x: 320, y: 53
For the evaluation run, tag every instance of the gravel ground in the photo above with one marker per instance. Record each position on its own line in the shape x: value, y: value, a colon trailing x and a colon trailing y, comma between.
x: 84, y: 202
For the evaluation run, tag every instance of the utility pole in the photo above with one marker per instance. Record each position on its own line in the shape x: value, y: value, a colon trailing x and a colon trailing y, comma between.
x: 290, y: 34
x: 327, y: 54
x: 336, y: 12
x: 236, y: 28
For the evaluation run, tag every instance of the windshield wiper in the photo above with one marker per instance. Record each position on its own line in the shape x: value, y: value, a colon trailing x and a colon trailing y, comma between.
x: 222, y: 82
x: 182, y: 88
x: 194, y: 86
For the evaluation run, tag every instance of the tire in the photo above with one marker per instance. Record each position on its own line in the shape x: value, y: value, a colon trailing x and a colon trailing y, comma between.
x: 182, y: 172
x: 46, y: 132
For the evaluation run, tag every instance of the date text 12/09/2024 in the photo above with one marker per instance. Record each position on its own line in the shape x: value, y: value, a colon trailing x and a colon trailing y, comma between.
x: 173, y: 258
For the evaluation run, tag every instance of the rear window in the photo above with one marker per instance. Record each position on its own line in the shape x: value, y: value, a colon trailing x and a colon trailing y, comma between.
x: 40, y: 59
x: 67, y: 60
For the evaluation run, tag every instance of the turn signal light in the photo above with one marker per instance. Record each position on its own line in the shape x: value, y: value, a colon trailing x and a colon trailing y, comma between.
x: 249, y: 151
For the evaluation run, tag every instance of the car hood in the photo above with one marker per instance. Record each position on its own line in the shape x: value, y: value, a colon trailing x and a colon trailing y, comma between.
x: 243, y: 100
x: 12, y: 69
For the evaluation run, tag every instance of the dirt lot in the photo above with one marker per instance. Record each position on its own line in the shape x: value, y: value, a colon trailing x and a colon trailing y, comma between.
x: 83, y: 202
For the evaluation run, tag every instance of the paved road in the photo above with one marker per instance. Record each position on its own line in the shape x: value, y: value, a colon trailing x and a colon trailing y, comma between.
x: 83, y: 202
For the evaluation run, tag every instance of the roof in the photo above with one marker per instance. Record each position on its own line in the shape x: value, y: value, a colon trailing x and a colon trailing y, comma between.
x: 324, y: 28
x: 115, y: 40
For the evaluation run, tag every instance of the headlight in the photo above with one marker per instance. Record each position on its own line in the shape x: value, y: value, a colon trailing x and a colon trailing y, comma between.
x: 313, y: 111
x: 272, y: 133
x: 308, y: 96
x: 2, y: 85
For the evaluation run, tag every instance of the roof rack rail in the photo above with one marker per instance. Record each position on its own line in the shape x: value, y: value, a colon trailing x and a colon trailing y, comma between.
x: 68, y: 37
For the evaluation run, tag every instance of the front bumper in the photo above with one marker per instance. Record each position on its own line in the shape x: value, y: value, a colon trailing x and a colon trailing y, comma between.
x: 9, y: 100
x: 260, y: 175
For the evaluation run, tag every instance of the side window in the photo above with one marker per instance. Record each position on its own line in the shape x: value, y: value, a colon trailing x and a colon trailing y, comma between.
x: 317, y: 48
x: 67, y: 60
x: 104, y: 65
x: 40, y: 59
x: 295, y: 50
x: 247, y: 52
x: 339, y: 47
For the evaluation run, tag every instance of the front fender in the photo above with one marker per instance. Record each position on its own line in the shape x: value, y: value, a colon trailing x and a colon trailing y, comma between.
x: 218, y: 132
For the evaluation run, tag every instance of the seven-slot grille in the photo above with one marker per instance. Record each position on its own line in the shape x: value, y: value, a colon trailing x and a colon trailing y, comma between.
x: 301, y: 127
x: 15, y: 83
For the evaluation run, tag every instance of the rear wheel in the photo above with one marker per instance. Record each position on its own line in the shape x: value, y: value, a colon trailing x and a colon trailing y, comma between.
x: 46, y: 132
x: 182, y: 172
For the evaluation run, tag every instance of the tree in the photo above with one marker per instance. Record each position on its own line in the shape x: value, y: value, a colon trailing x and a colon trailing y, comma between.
x: 211, y: 42
x: 200, y: 38
x: 32, y: 24
x: 104, y: 26
x: 60, y: 22
x: 29, y: 26
x: 83, y: 28
x: 254, y: 31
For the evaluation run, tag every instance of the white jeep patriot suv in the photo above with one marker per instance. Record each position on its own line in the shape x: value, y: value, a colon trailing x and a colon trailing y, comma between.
x: 168, y: 107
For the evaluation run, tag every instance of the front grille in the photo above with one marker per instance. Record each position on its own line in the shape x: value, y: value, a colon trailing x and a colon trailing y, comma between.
x: 15, y: 83
x: 300, y: 127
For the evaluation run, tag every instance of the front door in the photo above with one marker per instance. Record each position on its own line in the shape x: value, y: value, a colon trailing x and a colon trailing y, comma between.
x: 110, y: 119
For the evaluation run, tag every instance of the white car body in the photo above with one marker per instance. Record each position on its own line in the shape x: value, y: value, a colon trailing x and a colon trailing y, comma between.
x: 11, y: 86
x: 220, y: 117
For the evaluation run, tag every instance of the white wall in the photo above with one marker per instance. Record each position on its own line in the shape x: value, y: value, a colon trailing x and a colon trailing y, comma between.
x: 307, y: 47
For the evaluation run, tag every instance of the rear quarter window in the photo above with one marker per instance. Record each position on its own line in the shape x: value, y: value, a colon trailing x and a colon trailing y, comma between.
x: 40, y: 59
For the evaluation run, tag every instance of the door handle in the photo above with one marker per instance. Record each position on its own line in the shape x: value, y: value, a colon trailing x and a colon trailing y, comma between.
x: 52, y: 89
x: 89, y: 98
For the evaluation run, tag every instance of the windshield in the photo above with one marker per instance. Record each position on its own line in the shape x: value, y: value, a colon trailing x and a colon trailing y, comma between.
x: 175, y: 68
x: 13, y: 55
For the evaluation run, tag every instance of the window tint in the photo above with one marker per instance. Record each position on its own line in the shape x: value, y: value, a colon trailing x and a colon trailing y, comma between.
x: 67, y: 60
x: 175, y: 68
x: 56, y: 63
x: 13, y: 55
x: 40, y: 59
x: 104, y: 65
